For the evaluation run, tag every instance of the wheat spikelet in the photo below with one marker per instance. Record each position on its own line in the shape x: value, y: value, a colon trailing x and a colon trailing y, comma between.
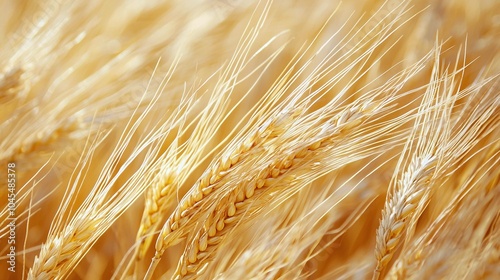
x: 438, y: 146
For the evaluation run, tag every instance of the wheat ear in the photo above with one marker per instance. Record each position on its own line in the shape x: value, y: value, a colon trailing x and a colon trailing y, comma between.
x: 230, y: 209
x: 69, y: 237
x: 400, y: 207
x: 462, y: 132
x: 210, y: 179
x: 412, y: 189
x: 65, y: 247
x: 477, y: 178
x: 206, y: 127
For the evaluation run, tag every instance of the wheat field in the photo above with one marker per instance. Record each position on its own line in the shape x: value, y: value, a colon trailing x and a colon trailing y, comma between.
x: 230, y: 139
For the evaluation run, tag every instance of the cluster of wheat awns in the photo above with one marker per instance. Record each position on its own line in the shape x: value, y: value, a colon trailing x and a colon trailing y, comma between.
x: 216, y: 139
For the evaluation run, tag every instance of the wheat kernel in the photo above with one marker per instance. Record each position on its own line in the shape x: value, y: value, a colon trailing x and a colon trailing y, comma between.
x: 164, y: 191
x: 214, y: 240
x: 231, y: 210
x: 177, y: 215
x: 202, y: 255
x: 192, y: 254
x: 301, y: 154
x: 183, y: 268
x: 392, y: 243
x: 416, y: 196
x: 184, y: 213
x: 269, y: 182
x: 220, y: 224
x: 213, y: 179
x: 207, y: 190
x: 235, y: 158
x: 260, y: 183
x: 397, y: 228
x: 159, y: 244
x: 208, y: 222
x: 247, y: 145
x: 249, y: 191
x: 240, y: 195
x: 230, y: 220
x: 315, y: 146
x: 275, y: 173
x: 212, y: 231
x: 407, y: 210
x: 351, y: 125
x: 287, y: 163
x: 385, y: 260
x: 204, y: 181
x: 174, y: 225
x: 203, y: 242
x: 239, y: 205
x: 191, y: 268
x: 225, y: 163
x: 51, y: 262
